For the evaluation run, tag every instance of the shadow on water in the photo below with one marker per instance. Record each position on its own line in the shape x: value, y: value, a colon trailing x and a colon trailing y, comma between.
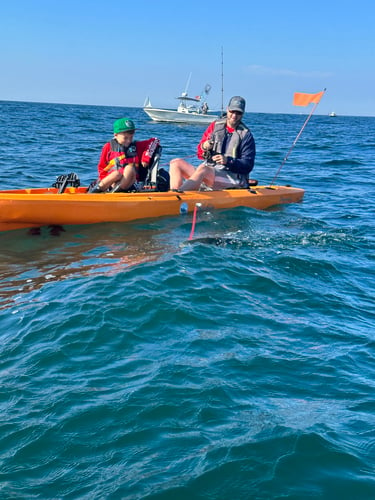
x: 219, y: 241
x: 30, y: 259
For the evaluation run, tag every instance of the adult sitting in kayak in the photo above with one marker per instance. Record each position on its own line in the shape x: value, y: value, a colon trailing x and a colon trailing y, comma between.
x: 228, y: 148
x: 123, y: 160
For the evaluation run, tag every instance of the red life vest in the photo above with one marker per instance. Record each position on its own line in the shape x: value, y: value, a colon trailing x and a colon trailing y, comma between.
x: 138, y: 153
x: 124, y: 155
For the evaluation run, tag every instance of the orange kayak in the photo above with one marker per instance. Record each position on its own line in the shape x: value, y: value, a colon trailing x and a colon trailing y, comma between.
x: 26, y: 208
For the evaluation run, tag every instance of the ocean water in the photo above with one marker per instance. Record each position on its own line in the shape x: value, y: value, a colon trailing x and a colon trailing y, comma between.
x: 138, y: 364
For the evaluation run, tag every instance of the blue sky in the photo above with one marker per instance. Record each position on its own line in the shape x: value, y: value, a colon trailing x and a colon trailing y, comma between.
x: 118, y: 53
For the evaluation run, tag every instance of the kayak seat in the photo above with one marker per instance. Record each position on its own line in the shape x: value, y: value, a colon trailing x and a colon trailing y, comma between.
x: 156, y: 179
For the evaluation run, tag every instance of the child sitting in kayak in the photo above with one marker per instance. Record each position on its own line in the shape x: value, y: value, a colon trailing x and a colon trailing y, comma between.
x: 123, y: 160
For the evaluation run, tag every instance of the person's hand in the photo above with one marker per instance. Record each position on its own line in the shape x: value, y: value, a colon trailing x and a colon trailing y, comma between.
x: 220, y: 159
x: 207, y: 145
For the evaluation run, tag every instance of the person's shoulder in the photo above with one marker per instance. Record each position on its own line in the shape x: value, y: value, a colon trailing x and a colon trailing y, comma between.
x: 212, y: 125
x: 246, y: 128
x: 220, y: 122
x: 248, y: 136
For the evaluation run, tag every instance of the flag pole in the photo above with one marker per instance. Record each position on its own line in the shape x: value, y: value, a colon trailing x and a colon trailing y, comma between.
x: 295, y: 140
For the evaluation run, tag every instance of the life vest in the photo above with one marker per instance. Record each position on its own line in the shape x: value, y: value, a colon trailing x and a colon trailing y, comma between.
x: 223, y: 144
x: 123, y: 155
x: 119, y: 156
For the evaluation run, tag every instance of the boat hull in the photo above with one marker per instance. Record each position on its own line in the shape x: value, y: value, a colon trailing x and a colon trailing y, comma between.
x: 166, y: 115
x: 26, y: 208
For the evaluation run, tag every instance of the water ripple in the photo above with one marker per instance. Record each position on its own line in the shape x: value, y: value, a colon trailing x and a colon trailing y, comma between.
x: 136, y: 363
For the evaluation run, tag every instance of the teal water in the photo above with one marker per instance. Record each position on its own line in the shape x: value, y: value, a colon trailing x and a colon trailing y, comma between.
x: 136, y: 364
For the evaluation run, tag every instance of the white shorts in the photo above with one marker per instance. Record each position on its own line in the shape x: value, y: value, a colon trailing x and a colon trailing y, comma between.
x: 227, y: 179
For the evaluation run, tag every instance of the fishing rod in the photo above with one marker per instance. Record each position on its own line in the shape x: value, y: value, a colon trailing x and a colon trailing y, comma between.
x: 301, y: 99
x: 222, y: 82
x: 187, y: 85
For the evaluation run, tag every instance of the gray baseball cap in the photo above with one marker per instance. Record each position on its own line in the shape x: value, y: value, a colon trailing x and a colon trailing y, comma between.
x: 237, y: 103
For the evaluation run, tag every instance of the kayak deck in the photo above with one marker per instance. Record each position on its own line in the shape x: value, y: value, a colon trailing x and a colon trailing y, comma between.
x: 24, y: 208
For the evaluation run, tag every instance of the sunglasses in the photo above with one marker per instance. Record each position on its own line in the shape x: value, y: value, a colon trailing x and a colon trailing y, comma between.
x: 235, y: 112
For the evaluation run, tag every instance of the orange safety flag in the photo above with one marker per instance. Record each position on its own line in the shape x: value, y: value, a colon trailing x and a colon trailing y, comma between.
x: 301, y: 99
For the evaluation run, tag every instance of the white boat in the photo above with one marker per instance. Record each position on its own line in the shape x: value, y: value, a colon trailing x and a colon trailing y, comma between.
x: 189, y: 110
x: 332, y: 113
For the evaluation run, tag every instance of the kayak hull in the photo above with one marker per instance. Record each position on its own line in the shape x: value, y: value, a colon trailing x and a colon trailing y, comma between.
x: 26, y: 208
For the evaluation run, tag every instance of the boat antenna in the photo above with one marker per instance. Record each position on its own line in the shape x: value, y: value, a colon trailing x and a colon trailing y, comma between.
x: 309, y: 98
x: 222, y: 82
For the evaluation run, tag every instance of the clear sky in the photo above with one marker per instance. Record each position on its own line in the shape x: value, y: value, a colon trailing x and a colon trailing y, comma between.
x: 118, y: 53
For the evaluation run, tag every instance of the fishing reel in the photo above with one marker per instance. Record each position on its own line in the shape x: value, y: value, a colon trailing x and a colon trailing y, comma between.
x: 208, y: 153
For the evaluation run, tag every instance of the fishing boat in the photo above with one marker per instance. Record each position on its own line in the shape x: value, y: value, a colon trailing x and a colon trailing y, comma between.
x: 190, y: 109
x: 37, y: 207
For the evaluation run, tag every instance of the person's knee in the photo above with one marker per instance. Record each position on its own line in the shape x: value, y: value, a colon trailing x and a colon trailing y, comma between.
x: 129, y: 170
x: 202, y: 168
x: 175, y: 163
x: 115, y: 176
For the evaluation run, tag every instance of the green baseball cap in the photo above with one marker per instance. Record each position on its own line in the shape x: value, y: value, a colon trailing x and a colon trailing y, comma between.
x: 123, y: 125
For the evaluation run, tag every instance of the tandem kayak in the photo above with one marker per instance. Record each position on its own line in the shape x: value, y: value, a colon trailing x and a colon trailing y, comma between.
x: 27, y: 208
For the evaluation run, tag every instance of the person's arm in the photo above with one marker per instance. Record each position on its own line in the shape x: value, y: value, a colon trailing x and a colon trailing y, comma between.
x: 205, y: 137
x: 103, y: 161
x: 245, y: 163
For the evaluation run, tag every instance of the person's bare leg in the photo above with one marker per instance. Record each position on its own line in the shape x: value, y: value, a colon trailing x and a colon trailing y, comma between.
x: 105, y: 183
x: 128, y: 177
x: 204, y: 173
x: 179, y: 170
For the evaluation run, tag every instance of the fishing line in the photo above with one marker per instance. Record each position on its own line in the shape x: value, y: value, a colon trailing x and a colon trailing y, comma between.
x: 222, y: 82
